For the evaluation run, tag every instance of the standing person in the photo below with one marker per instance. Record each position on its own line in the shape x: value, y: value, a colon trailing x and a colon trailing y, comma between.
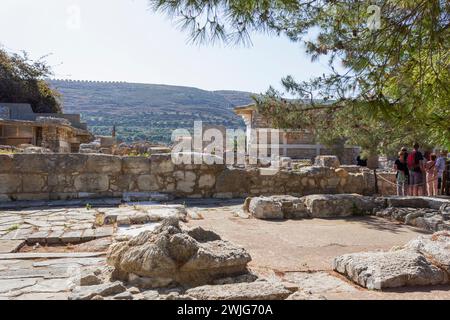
x: 446, y: 179
x: 415, y: 166
x: 402, y: 174
x: 432, y: 176
x: 408, y: 179
x: 360, y: 161
x: 440, y: 166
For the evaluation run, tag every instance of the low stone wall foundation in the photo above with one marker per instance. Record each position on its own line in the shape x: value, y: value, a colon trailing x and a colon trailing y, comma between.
x: 74, y: 176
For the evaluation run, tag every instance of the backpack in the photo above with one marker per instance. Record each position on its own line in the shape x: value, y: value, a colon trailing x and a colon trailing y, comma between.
x: 412, y: 161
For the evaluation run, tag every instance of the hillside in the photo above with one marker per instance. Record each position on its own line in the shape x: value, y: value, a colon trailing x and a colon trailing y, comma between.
x: 148, y: 111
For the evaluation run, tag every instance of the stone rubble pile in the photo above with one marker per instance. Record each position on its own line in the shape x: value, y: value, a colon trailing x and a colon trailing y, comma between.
x: 431, y: 214
x: 423, y: 261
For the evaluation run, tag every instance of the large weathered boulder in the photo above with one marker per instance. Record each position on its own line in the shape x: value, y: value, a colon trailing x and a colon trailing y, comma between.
x: 338, y: 205
x: 170, y: 255
x: 259, y: 290
x: 380, y: 270
x: 277, y: 207
x: 436, y: 246
x: 266, y: 208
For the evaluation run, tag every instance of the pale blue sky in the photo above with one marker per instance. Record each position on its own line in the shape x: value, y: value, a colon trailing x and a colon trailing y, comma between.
x: 122, y: 40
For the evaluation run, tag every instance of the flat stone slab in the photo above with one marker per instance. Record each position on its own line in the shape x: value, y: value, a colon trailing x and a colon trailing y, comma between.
x: 15, y: 284
x: 50, y: 255
x: 47, y: 273
x: 380, y: 270
x: 318, y: 282
x: 104, y: 290
x: 259, y: 290
x: 10, y: 246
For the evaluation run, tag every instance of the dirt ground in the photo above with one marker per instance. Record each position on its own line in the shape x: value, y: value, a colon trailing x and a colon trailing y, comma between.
x: 309, y: 245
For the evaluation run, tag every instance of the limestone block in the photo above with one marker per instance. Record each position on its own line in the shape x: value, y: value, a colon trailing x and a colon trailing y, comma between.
x: 341, y: 172
x: 259, y: 290
x: 34, y: 183
x: 161, y: 163
x: 185, y: 181
x: 136, y: 165
x: 380, y: 270
x: 97, y: 163
x: 61, y: 183
x: 338, y: 205
x: 10, y: 183
x: 223, y: 195
x: 304, y: 182
x: 147, y: 182
x: 32, y: 196
x: 70, y: 163
x: 266, y: 208
x: 234, y: 180
x: 91, y: 182
x: 207, y: 181
x: 6, y: 163
x: 333, y: 182
x: 328, y: 161
x: 34, y: 163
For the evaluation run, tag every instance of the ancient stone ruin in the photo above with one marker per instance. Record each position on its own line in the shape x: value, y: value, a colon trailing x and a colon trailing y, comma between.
x: 172, y: 256
x: 423, y: 261
x: 96, y: 227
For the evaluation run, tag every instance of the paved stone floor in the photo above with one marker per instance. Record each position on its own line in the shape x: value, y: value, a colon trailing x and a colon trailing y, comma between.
x: 297, y: 252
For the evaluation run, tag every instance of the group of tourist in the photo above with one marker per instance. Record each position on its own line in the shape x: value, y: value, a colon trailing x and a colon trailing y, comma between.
x: 422, y: 174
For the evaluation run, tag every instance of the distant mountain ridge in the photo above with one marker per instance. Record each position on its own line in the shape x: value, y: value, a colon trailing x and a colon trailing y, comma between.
x: 148, y: 111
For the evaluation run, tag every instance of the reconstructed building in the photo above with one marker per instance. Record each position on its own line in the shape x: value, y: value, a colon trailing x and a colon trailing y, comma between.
x: 61, y: 133
x: 296, y: 144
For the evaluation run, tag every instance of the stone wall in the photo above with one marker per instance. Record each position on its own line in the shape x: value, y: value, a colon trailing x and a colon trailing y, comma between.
x: 72, y: 176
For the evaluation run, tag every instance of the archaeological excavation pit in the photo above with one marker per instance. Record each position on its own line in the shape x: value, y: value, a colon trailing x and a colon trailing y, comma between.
x: 311, y: 247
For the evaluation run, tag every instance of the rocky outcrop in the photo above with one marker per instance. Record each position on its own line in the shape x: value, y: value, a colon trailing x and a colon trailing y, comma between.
x: 381, y: 270
x: 424, y: 218
x: 313, y: 206
x: 417, y: 202
x: 422, y: 261
x: 169, y: 255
